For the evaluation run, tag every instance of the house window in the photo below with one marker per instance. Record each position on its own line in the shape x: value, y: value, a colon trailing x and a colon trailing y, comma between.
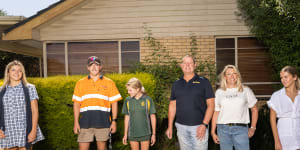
x: 55, y: 58
x: 78, y: 52
x: 113, y: 57
x: 130, y: 52
x: 252, y: 59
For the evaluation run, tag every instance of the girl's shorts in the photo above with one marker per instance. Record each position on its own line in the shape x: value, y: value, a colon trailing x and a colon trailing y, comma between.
x: 141, y: 138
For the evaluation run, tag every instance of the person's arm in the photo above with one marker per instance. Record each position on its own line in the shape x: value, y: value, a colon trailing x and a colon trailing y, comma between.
x: 153, y: 124
x: 76, y: 111
x: 171, y: 117
x: 114, y: 110
x: 126, y: 121
x: 35, y: 117
x: 208, y: 115
x: 274, y: 130
x: 254, y: 114
x: 214, y: 126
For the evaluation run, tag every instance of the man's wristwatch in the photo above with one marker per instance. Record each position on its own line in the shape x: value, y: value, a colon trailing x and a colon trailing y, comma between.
x: 206, y: 125
x: 115, y: 120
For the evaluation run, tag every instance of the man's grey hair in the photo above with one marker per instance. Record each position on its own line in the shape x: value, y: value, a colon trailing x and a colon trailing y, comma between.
x: 188, y: 56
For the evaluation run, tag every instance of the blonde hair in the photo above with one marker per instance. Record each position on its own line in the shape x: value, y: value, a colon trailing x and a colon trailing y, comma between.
x: 292, y: 70
x: 135, y: 84
x: 6, y: 73
x: 223, y: 83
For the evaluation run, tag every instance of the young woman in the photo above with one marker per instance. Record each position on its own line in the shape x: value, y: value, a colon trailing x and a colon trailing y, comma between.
x: 18, y: 110
x: 285, y: 105
x: 139, y: 113
x: 231, y: 116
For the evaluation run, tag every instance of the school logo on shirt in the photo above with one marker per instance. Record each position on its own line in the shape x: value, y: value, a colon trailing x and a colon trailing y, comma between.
x: 142, y: 103
x: 197, y: 82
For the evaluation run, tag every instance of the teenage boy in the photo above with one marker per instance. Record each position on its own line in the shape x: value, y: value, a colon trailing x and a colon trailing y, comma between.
x: 95, y: 96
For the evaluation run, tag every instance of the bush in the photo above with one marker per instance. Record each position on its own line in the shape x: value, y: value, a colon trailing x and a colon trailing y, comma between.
x: 56, y: 108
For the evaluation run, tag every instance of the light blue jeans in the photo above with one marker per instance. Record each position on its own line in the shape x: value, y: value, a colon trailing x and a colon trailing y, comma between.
x: 188, y: 140
x: 230, y: 136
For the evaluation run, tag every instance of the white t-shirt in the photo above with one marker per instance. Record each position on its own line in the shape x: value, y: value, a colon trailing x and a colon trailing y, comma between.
x: 233, y: 106
x: 288, y: 114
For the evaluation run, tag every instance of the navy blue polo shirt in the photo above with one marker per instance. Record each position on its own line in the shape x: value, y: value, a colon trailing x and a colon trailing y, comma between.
x: 191, y: 99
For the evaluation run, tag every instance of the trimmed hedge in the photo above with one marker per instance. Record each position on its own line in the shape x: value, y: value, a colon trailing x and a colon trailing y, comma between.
x: 56, y: 108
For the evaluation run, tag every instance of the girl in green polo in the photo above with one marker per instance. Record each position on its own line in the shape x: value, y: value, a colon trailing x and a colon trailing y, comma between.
x: 140, y: 120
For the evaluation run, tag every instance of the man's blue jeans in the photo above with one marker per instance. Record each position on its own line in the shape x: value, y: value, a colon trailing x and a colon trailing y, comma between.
x: 188, y: 140
x: 230, y: 136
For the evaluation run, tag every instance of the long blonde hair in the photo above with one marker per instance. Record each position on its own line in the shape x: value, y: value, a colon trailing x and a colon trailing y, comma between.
x: 223, y: 83
x: 135, y: 84
x: 6, y: 74
x: 292, y: 70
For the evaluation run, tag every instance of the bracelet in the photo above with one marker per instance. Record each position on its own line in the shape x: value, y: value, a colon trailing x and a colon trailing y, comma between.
x: 253, y: 128
x: 115, y: 120
x: 205, y: 124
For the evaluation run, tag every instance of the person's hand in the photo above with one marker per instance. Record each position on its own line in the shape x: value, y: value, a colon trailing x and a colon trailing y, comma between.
x: 278, y: 145
x: 125, y: 139
x: 215, y: 138
x: 31, y: 136
x: 113, y: 127
x: 201, y: 132
x: 2, y: 135
x: 76, y: 128
x: 169, y: 133
x: 153, y: 139
x: 251, y: 132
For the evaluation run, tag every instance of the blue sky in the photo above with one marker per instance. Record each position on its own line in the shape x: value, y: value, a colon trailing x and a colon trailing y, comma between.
x: 25, y: 8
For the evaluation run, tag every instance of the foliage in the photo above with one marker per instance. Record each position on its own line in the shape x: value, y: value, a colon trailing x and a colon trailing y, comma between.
x: 277, y: 24
x: 56, y: 110
x: 30, y: 63
x: 2, y: 12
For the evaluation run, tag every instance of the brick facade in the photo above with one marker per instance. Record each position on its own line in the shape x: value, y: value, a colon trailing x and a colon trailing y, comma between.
x: 178, y: 47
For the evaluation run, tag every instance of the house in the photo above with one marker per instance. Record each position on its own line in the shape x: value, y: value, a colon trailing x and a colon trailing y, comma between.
x: 72, y: 30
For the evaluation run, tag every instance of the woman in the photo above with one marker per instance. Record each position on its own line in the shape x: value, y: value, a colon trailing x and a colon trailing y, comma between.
x: 285, y: 105
x: 231, y: 116
x: 139, y: 113
x: 18, y: 110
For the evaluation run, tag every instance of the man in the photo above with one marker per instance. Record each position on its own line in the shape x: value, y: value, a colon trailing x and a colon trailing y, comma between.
x: 94, y: 97
x: 192, y: 101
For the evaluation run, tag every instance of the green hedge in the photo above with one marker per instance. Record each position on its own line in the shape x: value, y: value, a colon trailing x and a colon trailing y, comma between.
x: 56, y: 108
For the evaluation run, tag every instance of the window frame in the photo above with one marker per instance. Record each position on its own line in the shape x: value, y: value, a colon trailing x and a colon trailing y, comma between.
x: 236, y: 62
x: 66, y: 52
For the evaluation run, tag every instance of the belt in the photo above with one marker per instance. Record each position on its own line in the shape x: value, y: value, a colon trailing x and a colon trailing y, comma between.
x: 237, y: 124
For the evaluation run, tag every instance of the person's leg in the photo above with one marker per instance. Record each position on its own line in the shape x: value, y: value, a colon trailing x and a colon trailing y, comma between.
x: 84, y: 146
x: 183, y: 137
x: 102, y: 135
x: 145, y: 145
x: 135, y: 145
x: 240, y: 138
x: 85, y: 136
x: 198, y: 144
x: 224, y: 133
x: 14, y: 148
x: 101, y: 145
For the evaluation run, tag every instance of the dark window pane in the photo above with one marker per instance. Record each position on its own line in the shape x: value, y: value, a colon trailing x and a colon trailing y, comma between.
x: 130, y: 54
x: 55, y: 58
x: 130, y: 46
x: 224, y: 57
x: 225, y: 43
x: 78, y: 53
x: 249, y: 42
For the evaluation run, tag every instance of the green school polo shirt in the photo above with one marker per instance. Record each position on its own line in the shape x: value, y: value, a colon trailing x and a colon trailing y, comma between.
x: 139, y: 122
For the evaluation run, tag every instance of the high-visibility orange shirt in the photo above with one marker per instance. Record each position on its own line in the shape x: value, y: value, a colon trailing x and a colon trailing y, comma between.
x: 95, y: 98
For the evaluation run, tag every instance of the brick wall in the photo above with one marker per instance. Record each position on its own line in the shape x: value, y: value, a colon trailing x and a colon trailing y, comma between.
x: 178, y: 47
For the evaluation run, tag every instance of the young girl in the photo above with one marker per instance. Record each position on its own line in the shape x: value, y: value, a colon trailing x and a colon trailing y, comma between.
x: 137, y: 109
x: 18, y: 110
x: 285, y: 105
